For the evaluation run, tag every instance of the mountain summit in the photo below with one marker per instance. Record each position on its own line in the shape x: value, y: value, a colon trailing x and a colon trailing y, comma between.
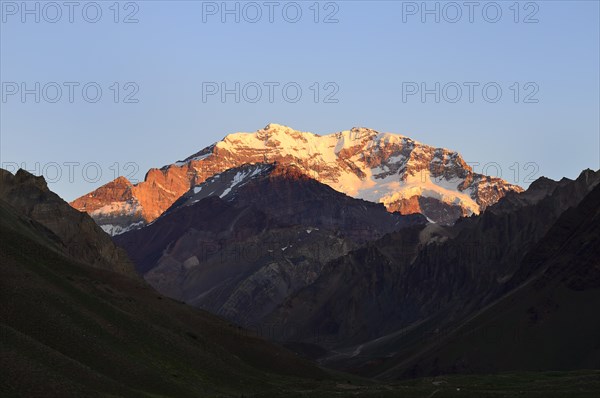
x: 399, y: 172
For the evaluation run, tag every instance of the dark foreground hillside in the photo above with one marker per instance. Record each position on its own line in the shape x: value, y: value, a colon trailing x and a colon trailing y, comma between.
x: 72, y: 330
x: 68, y: 329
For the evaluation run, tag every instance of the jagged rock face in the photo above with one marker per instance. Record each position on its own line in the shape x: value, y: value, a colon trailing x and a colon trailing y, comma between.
x: 114, y: 206
x: 243, y: 241
x: 363, y: 163
x: 77, y: 234
x: 119, y: 189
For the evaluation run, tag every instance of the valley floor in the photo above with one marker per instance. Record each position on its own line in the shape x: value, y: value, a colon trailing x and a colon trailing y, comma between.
x: 575, y: 384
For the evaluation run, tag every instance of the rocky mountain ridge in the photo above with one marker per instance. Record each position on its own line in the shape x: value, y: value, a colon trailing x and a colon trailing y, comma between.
x: 403, y: 174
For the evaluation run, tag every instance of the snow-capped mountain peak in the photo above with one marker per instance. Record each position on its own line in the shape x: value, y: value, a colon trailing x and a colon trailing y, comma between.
x: 403, y: 174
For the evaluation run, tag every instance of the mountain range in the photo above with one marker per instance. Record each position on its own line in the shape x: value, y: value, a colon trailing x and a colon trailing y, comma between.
x: 403, y: 174
x: 74, y: 326
x: 382, y: 303
x: 284, y: 263
x: 338, y: 278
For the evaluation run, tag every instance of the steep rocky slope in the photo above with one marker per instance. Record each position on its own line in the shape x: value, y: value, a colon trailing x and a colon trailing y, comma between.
x: 403, y: 174
x: 75, y: 232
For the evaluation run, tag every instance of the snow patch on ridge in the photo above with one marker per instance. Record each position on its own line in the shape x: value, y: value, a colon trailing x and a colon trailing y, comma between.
x: 241, y: 177
x: 113, y: 230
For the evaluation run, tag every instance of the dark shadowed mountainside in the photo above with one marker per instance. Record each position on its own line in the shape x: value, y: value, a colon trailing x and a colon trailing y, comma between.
x: 243, y: 241
x: 384, y: 300
x: 547, y: 320
x: 76, y: 232
x: 71, y: 330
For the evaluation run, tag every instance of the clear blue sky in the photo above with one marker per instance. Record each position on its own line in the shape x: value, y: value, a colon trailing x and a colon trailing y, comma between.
x: 369, y: 53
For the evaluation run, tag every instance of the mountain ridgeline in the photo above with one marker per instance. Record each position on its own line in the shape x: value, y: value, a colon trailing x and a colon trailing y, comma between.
x: 404, y: 175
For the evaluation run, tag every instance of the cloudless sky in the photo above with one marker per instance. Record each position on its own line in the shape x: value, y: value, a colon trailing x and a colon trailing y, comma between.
x: 369, y: 55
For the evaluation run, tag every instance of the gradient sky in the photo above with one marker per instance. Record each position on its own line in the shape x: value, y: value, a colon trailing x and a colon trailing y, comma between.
x: 368, y: 54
